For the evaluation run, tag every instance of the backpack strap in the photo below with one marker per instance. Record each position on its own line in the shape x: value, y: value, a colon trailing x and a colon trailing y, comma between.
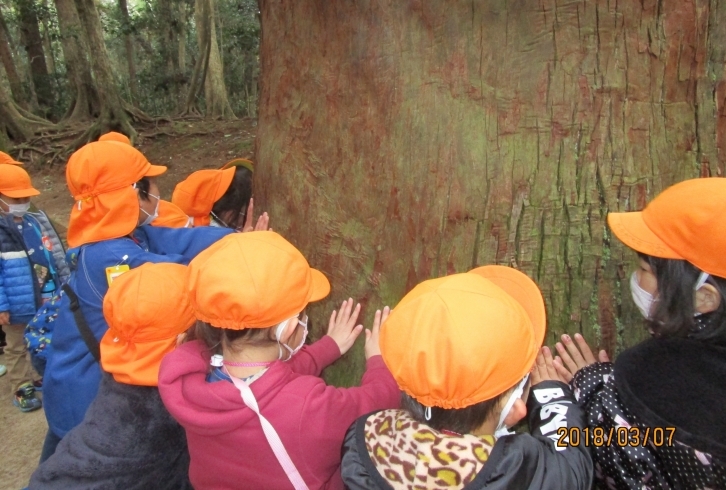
x: 86, y: 334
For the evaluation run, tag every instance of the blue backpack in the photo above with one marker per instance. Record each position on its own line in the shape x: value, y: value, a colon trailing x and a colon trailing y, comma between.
x: 39, y: 331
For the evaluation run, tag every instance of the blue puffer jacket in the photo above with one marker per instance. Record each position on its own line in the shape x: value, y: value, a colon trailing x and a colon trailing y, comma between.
x: 72, y: 374
x: 19, y: 288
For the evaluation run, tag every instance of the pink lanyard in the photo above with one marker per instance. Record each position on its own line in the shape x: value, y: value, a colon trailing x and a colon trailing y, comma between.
x: 271, y: 434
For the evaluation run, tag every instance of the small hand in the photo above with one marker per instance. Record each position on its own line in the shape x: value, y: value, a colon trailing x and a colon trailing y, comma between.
x: 574, y: 356
x: 262, y: 222
x: 372, y: 347
x: 5, y: 318
x: 342, y: 328
x: 544, y: 368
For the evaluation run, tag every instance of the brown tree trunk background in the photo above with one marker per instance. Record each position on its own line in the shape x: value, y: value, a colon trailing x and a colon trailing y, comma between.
x: 33, y: 43
x: 403, y: 140
x: 84, y: 101
x: 11, y: 71
x: 129, y: 47
x: 215, y: 91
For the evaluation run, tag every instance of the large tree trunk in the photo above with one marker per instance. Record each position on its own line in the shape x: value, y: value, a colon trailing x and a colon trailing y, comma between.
x: 6, y: 56
x: 84, y: 101
x: 215, y: 91
x: 33, y: 43
x: 16, y: 124
x: 115, y: 114
x: 399, y: 141
x: 47, y: 45
x: 129, y: 47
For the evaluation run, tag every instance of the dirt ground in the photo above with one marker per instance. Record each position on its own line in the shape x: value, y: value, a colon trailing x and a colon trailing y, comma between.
x: 199, y: 144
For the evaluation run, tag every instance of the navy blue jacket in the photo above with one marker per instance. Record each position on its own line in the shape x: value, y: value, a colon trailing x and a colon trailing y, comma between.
x: 72, y: 374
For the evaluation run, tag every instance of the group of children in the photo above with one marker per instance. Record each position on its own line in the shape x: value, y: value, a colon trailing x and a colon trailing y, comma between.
x: 179, y: 355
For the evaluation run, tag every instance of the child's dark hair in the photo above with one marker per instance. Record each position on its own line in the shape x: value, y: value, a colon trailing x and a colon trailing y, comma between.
x: 237, y: 197
x: 144, y: 185
x: 459, y: 420
x: 672, y: 314
x: 214, y: 338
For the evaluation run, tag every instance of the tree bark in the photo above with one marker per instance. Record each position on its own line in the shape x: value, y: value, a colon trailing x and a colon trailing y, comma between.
x: 129, y: 45
x: 114, y: 113
x: 215, y: 91
x: 6, y: 56
x: 203, y: 21
x: 84, y: 102
x: 33, y: 43
x: 406, y: 140
x: 16, y: 125
x: 47, y: 45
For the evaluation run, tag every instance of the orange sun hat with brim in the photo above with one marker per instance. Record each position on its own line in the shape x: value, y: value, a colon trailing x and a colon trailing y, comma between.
x: 15, y: 182
x: 100, y: 176
x: 197, y: 194
x: 114, y: 136
x: 524, y: 290
x: 252, y: 280
x: 171, y: 216
x: 146, y: 308
x: 460, y: 340
x: 239, y: 162
x: 7, y: 159
x: 686, y: 221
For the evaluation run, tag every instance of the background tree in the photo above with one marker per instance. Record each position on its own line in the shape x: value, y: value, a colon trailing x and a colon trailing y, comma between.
x: 11, y: 72
x: 33, y: 43
x: 111, y: 63
x: 83, y: 103
x: 399, y: 141
x: 129, y: 45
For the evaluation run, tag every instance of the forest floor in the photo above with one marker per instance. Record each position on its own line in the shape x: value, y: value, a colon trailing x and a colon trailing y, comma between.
x: 193, y: 145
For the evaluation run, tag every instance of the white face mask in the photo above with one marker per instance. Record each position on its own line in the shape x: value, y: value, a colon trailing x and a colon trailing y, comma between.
x: 642, y: 298
x: 281, y: 327
x: 516, y: 394
x: 17, y: 210
x: 154, y: 215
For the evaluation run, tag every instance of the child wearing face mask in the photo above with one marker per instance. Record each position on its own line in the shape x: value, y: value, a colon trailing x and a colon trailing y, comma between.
x: 32, y: 269
x: 115, y: 193
x: 665, y: 396
x: 248, y: 391
x: 464, y: 350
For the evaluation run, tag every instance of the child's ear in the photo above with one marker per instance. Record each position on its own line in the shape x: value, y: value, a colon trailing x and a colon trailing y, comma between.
x: 707, y: 299
x: 517, y: 413
x: 288, y: 331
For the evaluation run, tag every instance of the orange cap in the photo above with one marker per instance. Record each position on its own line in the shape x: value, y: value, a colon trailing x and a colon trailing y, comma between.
x: 197, y: 194
x: 459, y: 340
x: 114, y: 136
x: 100, y: 176
x: 15, y: 182
x: 240, y: 162
x: 171, y: 216
x: 146, y: 308
x: 5, y: 158
x: 686, y: 221
x: 252, y: 280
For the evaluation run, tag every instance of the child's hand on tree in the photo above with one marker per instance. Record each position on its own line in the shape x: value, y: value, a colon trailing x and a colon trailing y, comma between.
x: 342, y: 328
x: 5, y: 318
x: 372, y: 347
x: 262, y: 222
x: 544, y: 368
x: 574, y: 356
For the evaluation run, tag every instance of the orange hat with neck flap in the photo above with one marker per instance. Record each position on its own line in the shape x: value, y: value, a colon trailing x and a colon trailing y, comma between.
x: 100, y: 176
x: 197, y: 194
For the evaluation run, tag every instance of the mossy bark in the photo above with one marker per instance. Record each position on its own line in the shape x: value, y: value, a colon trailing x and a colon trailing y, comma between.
x: 404, y: 140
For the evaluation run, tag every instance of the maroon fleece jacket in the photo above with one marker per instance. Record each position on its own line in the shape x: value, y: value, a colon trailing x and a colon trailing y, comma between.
x: 227, y: 446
